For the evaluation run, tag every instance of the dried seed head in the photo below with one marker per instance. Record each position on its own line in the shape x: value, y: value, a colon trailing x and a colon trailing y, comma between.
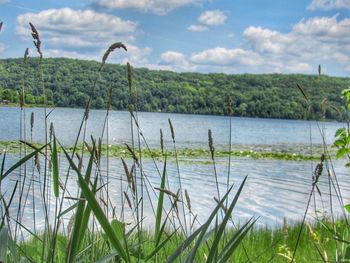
x: 132, y: 154
x: 1, y: 23
x: 129, y: 75
x: 210, y: 142
x: 31, y: 122
x: 168, y: 192
x: 87, y: 109
x: 322, y: 158
x: 229, y: 106
x: 36, y: 37
x: 188, y: 200
x: 129, y: 176
x: 172, y: 130
x: 26, y: 56
x: 128, y: 199
x: 37, y: 162
x: 110, y: 50
x: 52, y: 130
x: 161, y: 141
x: 319, y: 70
x: 319, y: 169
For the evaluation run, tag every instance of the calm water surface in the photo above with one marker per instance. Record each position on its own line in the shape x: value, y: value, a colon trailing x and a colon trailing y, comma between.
x: 274, y: 189
x: 190, y: 130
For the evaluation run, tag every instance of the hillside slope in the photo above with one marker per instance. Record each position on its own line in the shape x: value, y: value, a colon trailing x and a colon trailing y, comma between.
x: 68, y: 83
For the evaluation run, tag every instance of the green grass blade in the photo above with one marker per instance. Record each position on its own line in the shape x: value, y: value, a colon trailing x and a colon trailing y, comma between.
x: 2, y: 166
x: 192, y: 253
x: 20, y: 162
x: 86, y: 216
x: 159, y: 247
x: 220, y: 232
x: 119, y: 229
x: 72, y: 207
x: 160, y: 204
x: 98, y: 212
x: 55, y: 173
x: 184, y: 245
x: 75, y: 239
x: 3, y: 244
x: 235, y: 242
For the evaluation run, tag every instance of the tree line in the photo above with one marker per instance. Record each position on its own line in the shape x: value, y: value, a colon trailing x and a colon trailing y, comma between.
x: 69, y: 83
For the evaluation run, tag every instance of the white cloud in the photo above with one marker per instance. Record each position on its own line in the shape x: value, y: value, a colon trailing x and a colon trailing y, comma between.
x: 224, y: 56
x: 176, y: 61
x: 135, y: 55
x: 67, y: 28
x: 159, y: 7
x: 299, y: 67
x: 59, y: 53
x: 329, y: 4
x: 197, y: 28
x: 172, y: 57
x: 212, y: 18
x: 316, y: 40
x: 83, y: 35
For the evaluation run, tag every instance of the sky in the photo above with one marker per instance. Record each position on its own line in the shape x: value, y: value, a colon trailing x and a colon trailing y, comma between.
x: 222, y: 36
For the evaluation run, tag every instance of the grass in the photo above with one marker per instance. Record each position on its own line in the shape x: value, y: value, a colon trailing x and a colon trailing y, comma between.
x: 262, y: 244
x: 91, y: 229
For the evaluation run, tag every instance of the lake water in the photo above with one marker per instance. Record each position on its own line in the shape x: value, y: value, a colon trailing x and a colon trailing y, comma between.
x: 275, y: 188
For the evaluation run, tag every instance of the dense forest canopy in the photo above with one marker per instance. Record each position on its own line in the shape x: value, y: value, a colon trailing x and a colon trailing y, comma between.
x: 69, y: 82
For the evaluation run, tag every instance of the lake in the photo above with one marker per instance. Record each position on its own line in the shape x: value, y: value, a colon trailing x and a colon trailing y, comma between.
x: 275, y: 188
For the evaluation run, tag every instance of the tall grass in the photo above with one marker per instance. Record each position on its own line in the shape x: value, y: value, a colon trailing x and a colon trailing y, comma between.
x: 84, y: 225
x: 94, y: 231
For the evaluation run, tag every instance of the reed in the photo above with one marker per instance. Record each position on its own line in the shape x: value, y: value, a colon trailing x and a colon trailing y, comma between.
x: 86, y: 226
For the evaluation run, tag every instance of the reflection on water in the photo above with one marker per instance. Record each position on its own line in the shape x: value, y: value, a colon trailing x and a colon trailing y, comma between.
x: 275, y: 189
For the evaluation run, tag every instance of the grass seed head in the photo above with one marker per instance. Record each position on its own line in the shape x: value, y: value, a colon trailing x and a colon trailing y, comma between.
x: 26, y: 56
x: 229, y: 105
x: 319, y: 70
x: 31, y: 122
x: 188, y: 200
x: 110, y: 50
x: 36, y: 41
x: 129, y: 75
x: 172, y: 130
x: 210, y: 142
x: 133, y: 155
x: 161, y: 141
x: 128, y: 199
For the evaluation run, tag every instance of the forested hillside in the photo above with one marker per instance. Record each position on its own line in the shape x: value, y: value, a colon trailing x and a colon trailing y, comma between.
x: 69, y: 82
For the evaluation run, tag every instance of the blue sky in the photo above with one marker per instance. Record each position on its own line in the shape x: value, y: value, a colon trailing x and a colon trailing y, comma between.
x: 227, y: 36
